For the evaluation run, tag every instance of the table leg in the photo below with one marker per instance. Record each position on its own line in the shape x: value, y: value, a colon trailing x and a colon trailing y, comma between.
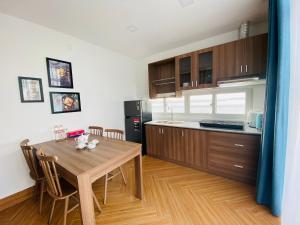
x: 86, y: 200
x: 138, y: 176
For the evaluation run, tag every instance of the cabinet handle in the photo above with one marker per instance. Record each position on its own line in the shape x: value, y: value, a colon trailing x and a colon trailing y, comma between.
x: 246, y: 68
x: 196, y: 83
x: 238, y: 166
x: 238, y: 145
x: 162, y: 130
x: 241, y: 68
x: 182, y: 133
x: 192, y: 83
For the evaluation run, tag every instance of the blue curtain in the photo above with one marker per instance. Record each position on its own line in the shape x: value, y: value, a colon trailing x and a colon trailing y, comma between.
x: 272, y: 157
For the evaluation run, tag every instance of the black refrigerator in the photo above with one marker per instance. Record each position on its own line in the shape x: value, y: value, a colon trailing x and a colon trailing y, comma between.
x: 136, y: 115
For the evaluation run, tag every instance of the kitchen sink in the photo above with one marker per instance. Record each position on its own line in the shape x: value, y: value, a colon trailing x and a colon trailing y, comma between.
x: 169, y: 122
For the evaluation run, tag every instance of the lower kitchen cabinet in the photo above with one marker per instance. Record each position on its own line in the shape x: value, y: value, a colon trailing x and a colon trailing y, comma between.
x: 226, y: 154
x: 233, y: 155
x: 159, y: 141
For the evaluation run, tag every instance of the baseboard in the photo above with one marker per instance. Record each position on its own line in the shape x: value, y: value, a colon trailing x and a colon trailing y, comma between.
x: 16, y: 198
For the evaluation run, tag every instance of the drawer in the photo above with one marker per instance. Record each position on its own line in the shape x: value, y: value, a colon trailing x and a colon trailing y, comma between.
x: 233, y: 156
x: 235, y: 145
x: 233, y: 169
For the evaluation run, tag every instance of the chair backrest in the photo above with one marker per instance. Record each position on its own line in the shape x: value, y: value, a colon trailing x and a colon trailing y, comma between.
x: 114, y: 134
x: 50, y: 172
x: 96, y: 130
x: 30, y: 157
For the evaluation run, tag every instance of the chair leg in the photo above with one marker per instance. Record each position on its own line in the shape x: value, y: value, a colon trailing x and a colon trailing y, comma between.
x: 42, y: 195
x: 51, y: 213
x: 36, y: 190
x: 66, y: 210
x: 96, y: 202
x: 124, y: 179
x: 105, y: 188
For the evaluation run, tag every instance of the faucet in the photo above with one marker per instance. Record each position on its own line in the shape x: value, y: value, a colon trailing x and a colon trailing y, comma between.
x: 172, y: 114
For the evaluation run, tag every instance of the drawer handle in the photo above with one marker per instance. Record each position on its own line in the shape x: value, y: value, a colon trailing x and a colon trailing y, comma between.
x: 238, y: 166
x: 238, y: 145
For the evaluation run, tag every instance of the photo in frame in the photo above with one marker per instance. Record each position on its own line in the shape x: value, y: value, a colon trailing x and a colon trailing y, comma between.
x: 31, y: 89
x: 65, y: 102
x: 59, y: 73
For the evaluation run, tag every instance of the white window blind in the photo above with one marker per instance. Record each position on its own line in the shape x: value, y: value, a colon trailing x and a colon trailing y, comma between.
x: 201, y: 103
x: 231, y: 103
x: 175, y: 105
x: 157, y: 105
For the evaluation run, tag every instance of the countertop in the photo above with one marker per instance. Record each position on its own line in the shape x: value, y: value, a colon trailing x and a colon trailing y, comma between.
x: 196, y: 125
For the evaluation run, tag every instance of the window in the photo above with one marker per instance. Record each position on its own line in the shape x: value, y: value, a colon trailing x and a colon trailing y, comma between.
x: 201, y: 104
x: 231, y: 103
x: 157, y: 105
x: 175, y: 105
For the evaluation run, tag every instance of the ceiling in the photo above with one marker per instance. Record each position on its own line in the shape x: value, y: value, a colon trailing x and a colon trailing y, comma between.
x: 139, y: 28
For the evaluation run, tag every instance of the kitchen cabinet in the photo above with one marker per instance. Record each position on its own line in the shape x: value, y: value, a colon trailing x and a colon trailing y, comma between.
x: 206, y: 68
x: 185, y: 71
x: 233, y: 155
x: 162, y: 77
x: 230, y: 155
x: 196, y: 70
x: 159, y: 141
x: 254, y: 58
x: 242, y: 58
x: 226, y: 60
x: 195, y: 148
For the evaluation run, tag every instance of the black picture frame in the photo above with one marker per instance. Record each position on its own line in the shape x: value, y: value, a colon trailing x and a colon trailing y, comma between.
x: 55, y: 111
x: 22, y: 89
x: 51, y: 79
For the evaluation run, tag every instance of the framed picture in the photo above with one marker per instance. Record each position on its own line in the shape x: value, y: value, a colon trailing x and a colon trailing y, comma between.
x: 59, y: 73
x: 31, y: 89
x: 65, y: 102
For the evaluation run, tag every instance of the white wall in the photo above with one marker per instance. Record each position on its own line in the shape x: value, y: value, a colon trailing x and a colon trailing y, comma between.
x: 103, y: 78
x: 257, y: 92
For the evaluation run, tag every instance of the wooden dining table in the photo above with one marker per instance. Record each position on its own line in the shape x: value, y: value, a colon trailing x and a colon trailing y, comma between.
x: 83, y: 167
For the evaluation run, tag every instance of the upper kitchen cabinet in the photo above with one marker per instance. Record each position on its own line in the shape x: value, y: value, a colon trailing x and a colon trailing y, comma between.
x: 206, y: 63
x: 254, y: 55
x: 242, y: 58
x: 204, y: 68
x: 226, y: 60
x: 162, y: 77
x: 185, y: 71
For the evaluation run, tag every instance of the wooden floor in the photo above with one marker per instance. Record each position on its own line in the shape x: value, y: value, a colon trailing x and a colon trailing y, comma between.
x: 173, y: 195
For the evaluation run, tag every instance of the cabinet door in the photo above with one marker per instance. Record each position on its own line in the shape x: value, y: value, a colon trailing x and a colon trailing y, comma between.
x: 255, y: 55
x: 179, y: 145
x: 195, y: 148
x: 184, y: 71
x: 206, y: 62
x: 166, y: 142
x: 152, y: 141
x: 226, y: 60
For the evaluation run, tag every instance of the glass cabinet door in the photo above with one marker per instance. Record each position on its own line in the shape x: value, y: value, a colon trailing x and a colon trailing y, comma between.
x: 185, y: 72
x: 204, y: 69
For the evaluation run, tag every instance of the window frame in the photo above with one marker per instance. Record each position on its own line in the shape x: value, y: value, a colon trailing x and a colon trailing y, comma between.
x: 212, y: 104
x: 213, y: 91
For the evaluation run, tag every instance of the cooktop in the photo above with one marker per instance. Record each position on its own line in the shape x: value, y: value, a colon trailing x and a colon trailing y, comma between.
x: 232, y: 125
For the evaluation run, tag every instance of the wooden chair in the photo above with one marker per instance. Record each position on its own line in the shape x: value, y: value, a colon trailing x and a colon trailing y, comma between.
x: 96, y: 130
x: 35, y: 171
x: 59, y: 189
x: 114, y: 134
x: 117, y: 135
